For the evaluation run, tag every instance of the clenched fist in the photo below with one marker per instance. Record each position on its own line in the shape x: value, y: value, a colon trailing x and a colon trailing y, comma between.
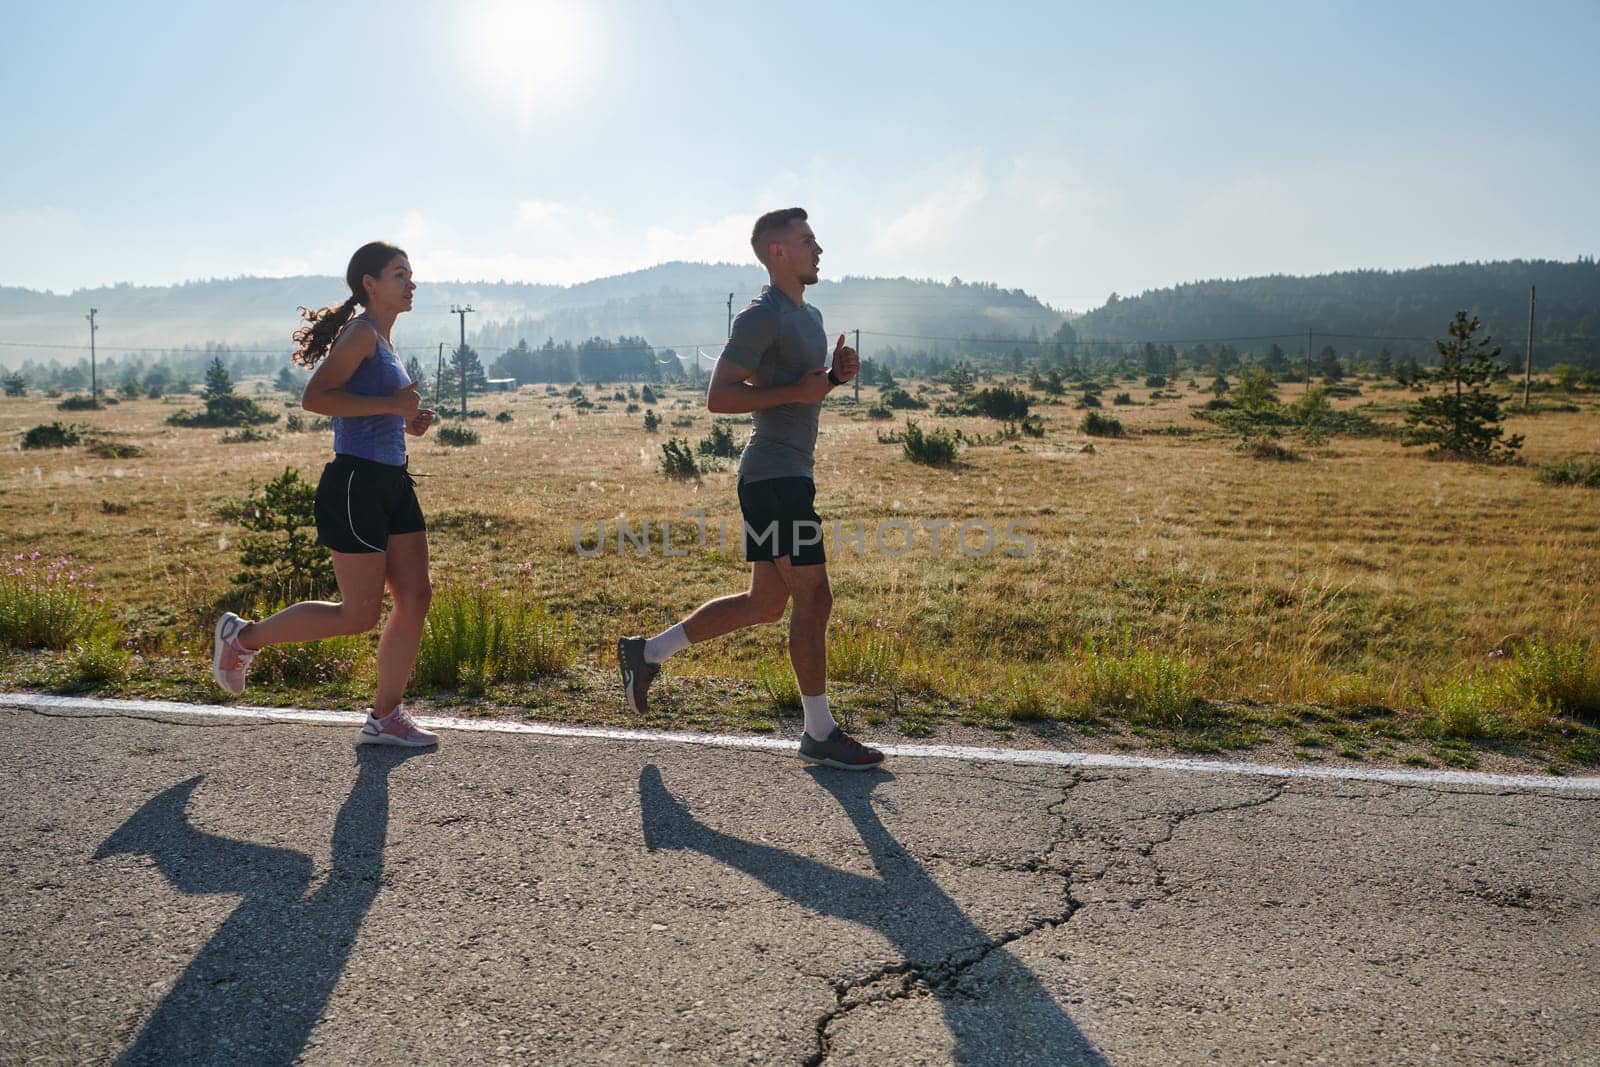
x: 418, y: 424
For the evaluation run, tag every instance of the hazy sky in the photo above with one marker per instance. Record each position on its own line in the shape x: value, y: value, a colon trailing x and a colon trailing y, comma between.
x: 1070, y: 150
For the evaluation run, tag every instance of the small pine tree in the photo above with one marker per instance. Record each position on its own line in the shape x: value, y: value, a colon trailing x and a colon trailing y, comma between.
x: 280, y: 560
x: 1254, y: 391
x: 1462, y: 420
x: 15, y: 385
x: 218, y: 384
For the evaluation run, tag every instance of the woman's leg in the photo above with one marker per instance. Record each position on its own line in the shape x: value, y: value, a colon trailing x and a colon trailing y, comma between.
x: 407, y: 577
x: 360, y: 576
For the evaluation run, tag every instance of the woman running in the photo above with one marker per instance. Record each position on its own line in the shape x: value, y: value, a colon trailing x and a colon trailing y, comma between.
x: 367, y: 510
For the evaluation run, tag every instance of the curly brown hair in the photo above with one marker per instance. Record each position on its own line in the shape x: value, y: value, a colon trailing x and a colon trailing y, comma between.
x: 319, y: 328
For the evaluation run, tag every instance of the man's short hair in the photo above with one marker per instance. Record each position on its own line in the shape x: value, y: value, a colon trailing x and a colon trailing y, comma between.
x: 768, y: 226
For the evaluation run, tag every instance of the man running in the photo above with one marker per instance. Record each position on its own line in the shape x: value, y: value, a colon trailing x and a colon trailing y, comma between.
x: 773, y: 368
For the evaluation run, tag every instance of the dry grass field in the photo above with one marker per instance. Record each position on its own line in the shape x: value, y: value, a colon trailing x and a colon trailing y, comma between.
x: 1339, y: 607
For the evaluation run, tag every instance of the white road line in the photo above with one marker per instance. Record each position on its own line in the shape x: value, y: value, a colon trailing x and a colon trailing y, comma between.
x: 1030, y: 757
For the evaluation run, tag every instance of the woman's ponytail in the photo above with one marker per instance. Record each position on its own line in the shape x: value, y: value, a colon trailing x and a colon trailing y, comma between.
x: 319, y: 328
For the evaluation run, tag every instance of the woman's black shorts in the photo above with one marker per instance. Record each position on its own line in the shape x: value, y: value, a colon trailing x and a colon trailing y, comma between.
x: 360, y: 503
x: 780, y: 519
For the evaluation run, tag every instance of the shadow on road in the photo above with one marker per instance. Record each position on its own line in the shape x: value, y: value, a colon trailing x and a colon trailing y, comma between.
x: 260, y: 984
x: 1009, y: 1018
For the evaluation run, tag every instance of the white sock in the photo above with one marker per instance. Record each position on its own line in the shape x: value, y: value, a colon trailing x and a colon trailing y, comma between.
x: 668, y: 642
x: 819, y: 720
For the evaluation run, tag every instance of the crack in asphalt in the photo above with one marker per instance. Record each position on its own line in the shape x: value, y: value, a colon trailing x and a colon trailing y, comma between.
x: 942, y: 979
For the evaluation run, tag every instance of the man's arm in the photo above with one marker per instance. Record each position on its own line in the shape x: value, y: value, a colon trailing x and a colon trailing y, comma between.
x: 731, y: 392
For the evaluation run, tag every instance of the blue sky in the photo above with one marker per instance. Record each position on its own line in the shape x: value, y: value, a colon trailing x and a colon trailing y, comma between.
x: 1070, y: 150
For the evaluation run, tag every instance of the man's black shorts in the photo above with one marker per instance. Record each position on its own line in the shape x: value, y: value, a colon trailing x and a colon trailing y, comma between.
x: 780, y: 519
x: 360, y: 503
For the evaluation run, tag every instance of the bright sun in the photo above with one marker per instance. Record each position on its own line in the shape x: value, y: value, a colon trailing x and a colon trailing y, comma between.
x: 531, y: 50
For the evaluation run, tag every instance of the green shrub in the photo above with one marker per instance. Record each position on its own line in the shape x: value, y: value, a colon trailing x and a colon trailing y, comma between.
x: 280, y: 560
x: 1148, y: 685
x: 872, y: 655
x: 79, y: 402
x: 936, y: 448
x: 230, y: 410
x: 647, y: 395
x: 247, y: 435
x: 98, y: 659
x: 1564, y: 675
x: 900, y: 399
x: 677, y: 459
x: 778, y: 681
x: 314, y: 663
x: 1266, y: 448
x: 47, y: 603
x: 1097, y: 425
x: 719, y: 442
x: 880, y: 410
x: 478, y: 637
x: 1089, y: 400
x: 114, y: 450
x: 1025, y: 696
x: 54, y: 435
x: 1008, y: 405
x: 223, y: 406
x: 1513, y: 694
x: 1570, y: 472
x: 503, y: 417
x: 1122, y: 399
x: 457, y: 436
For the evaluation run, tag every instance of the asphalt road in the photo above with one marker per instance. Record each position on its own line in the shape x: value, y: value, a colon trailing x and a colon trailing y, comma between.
x: 215, y: 891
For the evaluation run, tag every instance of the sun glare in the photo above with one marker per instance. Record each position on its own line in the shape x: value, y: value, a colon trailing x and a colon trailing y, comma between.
x: 531, y: 50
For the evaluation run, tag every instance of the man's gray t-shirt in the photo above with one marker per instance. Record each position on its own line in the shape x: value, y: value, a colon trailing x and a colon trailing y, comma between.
x: 778, y: 342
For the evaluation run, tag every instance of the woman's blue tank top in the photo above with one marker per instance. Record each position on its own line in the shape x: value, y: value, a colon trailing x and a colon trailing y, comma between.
x: 381, y: 438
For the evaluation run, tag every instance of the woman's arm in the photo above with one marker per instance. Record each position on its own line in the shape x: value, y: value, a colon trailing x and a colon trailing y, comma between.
x: 325, y: 393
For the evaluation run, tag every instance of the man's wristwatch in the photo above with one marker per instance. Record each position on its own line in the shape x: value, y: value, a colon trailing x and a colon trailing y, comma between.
x: 835, y: 379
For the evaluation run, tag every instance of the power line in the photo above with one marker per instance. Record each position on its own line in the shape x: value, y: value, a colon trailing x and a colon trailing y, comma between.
x: 224, y: 347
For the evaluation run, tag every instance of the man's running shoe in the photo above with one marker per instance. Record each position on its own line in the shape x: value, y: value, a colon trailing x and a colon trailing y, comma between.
x: 230, y: 661
x: 840, y: 751
x: 636, y: 673
x: 396, y: 728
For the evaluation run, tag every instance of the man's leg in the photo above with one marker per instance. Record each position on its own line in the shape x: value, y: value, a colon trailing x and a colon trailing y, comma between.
x: 823, y: 741
x: 762, y: 603
x: 808, y: 628
x: 640, y: 660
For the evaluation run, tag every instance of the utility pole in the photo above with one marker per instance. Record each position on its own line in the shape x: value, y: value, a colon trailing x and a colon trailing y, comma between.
x: 438, y: 377
x: 1308, y: 359
x: 94, y: 389
x: 1527, y: 379
x: 461, y: 356
x: 730, y: 314
x: 858, y: 371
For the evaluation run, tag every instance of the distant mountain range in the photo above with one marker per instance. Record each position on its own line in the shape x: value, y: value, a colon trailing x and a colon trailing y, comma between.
x: 1370, y: 304
x: 672, y: 304
x: 681, y: 305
